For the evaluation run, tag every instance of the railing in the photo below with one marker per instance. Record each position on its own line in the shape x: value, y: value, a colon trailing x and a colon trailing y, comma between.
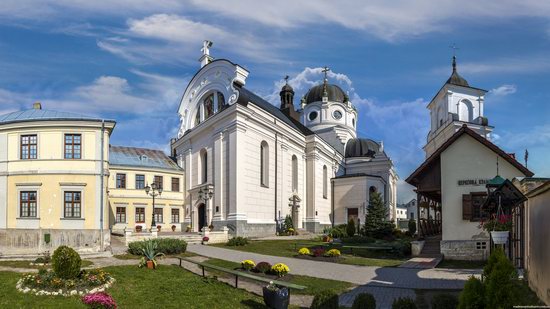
x: 429, y: 227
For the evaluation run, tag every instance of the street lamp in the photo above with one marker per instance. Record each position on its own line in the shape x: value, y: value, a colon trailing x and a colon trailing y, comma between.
x: 205, y: 194
x: 153, y: 191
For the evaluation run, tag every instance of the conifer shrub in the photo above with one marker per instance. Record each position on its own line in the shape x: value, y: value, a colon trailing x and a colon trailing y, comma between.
x: 473, y: 295
x: 238, y: 241
x: 403, y: 303
x: 350, y: 228
x: 412, y: 227
x: 263, y: 267
x: 500, y: 284
x: 444, y: 301
x: 327, y: 299
x: 66, y: 262
x: 364, y: 301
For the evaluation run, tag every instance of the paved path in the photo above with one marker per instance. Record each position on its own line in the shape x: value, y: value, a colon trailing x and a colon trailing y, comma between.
x: 395, y: 277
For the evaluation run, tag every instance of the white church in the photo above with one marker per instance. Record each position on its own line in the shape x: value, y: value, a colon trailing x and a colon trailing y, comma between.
x: 248, y: 164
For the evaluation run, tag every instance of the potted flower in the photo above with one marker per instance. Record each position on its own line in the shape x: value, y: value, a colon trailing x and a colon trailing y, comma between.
x: 499, y: 226
x: 150, y: 255
x: 276, y: 297
x: 211, y: 227
x: 248, y: 265
x: 188, y: 229
x: 205, y: 240
x: 173, y: 228
x: 159, y: 228
x: 139, y: 228
x: 291, y: 231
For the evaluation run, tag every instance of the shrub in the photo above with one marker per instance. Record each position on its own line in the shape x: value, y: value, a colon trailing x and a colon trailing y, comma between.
x: 100, y: 300
x: 317, y: 252
x: 350, y: 228
x: 338, y: 231
x: 403, y: 303
x: 238, y: 241
x: 473, y: 295
x: 248, y: 264
x: 333, y: 253
x: 501, y: 284
x: 325, y: 300
x: 280, y: 269
x: 66, y: 262
x: 262, y: 267
x: 412, y: 227
x: 444, y: 301
x: 164, y: 245
x: 364, y: 301
x: 495, y: 256
x: 304, y: 251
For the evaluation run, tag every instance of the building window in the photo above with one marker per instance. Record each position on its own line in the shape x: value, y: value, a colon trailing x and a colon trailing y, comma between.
x: 312, y: 116
x: 73, y: 144
x: 264, y: 164
x: 337, y: 115
x: 120, y: 215
x: 204, y: 166
x: 175, y: 184
x: 159, y: 182
x: 325, y: 181
x: 294, y: 173
x: 158, y: 215
x: 73, y: 204
x: 140, y: 215
x: 28, y: 147
x: 208, y: 105
x: 175, y: 215
x: 140, y: 181
x: 198, y: 116
x: 472, y: 206
x: 412, y: 215
x: 27, y: 204
x: 221, y: 101
x: 121, y: 181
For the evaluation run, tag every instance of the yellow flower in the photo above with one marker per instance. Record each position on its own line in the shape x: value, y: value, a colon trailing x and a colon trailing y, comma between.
x: 248, y: 264
x: 304, y: 251
x: 280, y: 269
x: 333, y: 253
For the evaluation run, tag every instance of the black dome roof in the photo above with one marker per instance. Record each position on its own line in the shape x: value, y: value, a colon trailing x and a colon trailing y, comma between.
x: 334, y: 93
x: 361, y: 147
x: 455, y: 78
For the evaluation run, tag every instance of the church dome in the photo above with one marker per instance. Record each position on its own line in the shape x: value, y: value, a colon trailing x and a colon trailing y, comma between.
x: 361, y: 147
x: 334, y: 93
x: 455, y: 78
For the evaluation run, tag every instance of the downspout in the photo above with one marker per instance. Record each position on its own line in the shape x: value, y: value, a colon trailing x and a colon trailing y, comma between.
x: 332, y: 198
x: 276, y: 178
x: 101, y: 181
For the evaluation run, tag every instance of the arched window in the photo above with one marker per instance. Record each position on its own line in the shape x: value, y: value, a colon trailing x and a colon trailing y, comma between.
x: 294, y: 173
x: 203, y: 166
x: 208, y: 105
x: 221, y: 101
x: 465, y: 111
x: 264, y: 164
x: 325, y: 181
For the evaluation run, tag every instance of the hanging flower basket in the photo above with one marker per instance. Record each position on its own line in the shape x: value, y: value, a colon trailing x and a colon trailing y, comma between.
x: 500, y: 237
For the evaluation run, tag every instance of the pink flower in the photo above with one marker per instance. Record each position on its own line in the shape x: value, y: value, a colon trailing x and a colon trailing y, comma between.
x: 99, y: 300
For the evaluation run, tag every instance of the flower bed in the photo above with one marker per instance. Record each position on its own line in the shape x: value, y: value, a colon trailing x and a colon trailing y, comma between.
x: 48, y: 283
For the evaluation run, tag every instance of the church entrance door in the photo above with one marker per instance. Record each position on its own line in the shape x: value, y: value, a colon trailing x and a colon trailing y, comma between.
x: 202, y: 216
x: 353, y: 213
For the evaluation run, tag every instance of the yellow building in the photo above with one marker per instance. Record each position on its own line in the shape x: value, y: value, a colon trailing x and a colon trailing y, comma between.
x: 51, y: 187
x: 131, y: 207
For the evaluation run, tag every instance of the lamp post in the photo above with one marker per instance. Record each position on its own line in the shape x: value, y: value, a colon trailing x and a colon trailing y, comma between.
x: 153, y: 191
x: 206, y: 194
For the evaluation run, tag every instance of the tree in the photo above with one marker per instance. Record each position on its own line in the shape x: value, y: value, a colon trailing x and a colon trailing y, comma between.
x: 412, y: 227
x: 376, y: 220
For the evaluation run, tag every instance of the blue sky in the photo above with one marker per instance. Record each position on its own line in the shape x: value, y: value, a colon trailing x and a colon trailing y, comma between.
x: 131, y: 60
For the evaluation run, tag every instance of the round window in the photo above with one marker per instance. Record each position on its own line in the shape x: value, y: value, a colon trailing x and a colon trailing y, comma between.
x: 312, y: 116
x: 337, y: 115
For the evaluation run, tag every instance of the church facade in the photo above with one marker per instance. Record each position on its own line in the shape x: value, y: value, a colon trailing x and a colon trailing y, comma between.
x: 248, y: 164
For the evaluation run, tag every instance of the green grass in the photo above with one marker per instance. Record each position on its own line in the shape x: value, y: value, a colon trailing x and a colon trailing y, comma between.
x: 165, y: 287
x: 314, y: 285
x: 286, y: 248
x: 461, y: 264
x: 26, y: 264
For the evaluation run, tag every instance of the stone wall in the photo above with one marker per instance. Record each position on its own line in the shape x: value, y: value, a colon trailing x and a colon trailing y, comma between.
x: 16, y: 242
x: 471, y: 250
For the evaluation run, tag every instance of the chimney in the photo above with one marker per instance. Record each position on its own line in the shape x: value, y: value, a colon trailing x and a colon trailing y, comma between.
x: 37, y: 105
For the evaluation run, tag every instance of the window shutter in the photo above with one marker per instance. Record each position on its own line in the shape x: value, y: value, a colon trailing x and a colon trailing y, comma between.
x: 466, y: 207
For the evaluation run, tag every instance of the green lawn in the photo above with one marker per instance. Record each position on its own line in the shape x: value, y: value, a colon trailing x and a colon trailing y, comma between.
x: 314, y: 285
x: 286, y: 248
x: 26, y: 264
x: 166, y: 287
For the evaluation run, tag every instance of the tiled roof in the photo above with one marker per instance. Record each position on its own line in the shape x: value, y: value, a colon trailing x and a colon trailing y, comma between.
x: 141, y: 157
x: 43, y: 115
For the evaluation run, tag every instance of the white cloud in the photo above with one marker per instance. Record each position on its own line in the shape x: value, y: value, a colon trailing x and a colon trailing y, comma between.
x: 503, y: 90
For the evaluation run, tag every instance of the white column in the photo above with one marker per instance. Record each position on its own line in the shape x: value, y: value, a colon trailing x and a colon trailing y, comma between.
x: 218, y: 177
x: 3, y: 181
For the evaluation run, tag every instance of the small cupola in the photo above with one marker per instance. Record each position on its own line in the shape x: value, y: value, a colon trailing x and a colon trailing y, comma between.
x: 287, y: 101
